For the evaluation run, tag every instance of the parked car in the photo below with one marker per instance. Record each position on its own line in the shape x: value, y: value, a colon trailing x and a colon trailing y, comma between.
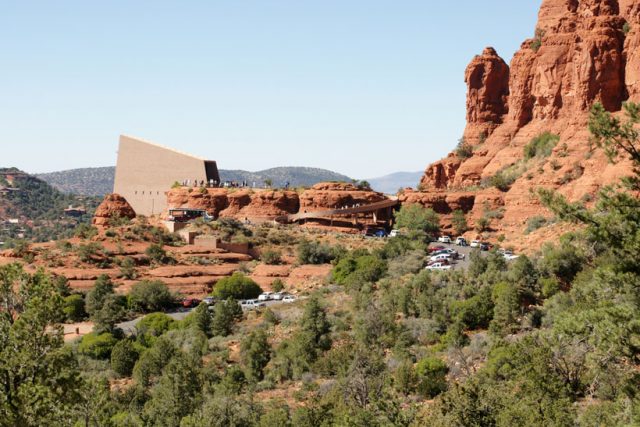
x: 394, y: 233
x: 443, y: 261
x: 289, y: 298
x: 436, y: 249
x: 277, y: 296
x: 475, y: 244
x: 251, y: 304
x: 190, y: 302
x: 265, y: 296
x: 441, y: 257
x: 444, y: 239
x: 461, y: 241
x: 209, y: 300
x: 485, y: 246
x: 508, y: 255
x: 439, y: 266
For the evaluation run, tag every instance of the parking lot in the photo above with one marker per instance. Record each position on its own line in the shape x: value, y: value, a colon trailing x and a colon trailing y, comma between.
x: 462, y: 250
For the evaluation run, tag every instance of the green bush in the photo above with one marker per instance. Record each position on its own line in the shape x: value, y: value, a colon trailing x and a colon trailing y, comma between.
x: 154, y: 324
x: 157, y: 254
x: 150, y: 295
x: 74, y: 308
x: 541, y: 146
x: 431, y: 374
x: 459, y: 221
x: 271, y: 257
x: 501, y: 181
x: 314, y: 253
x: 464, y: 150
x: 97, y: 346
x: 124, y: 357
x: 238, y: 286
x: 535, y: 223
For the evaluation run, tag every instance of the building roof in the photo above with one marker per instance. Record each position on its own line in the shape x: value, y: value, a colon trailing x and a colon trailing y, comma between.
x: 144, y: 141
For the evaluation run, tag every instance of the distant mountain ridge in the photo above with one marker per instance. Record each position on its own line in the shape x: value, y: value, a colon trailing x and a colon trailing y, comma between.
x: 99, y: 181
x: 390, y: 184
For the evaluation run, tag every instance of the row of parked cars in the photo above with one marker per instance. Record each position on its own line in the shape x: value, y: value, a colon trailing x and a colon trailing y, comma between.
x: 246, y: 304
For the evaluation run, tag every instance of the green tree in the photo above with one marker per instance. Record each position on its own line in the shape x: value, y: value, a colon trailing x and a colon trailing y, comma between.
x: 431, y: 374
x: 150, y: 295
x: 39, y: 376
x: 74, y: 308
x: 157, y: 254
x: 97, y: 295
x: 315, y: 323
x: 154, y: 324
x: 203, y: 319
x: 418, y: 219
x: 237, y: 286
x: 256, y: 353
x: 225, y: 314
x: 124, y: 357
x: 506, y: 310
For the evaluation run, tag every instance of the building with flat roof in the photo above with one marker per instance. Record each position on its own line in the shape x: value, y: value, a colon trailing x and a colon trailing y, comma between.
x: 146, y: 171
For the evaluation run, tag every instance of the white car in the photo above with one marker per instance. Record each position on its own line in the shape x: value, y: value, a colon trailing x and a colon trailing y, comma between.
x: 475, y: 243
x: 439, y: 266
x: 251, y: 304
x: 444, y: 239
x: 461, y: 241
x: 394, y: 233
x: 277, y: 296
x: 509, y: 256
x: 441, y: 257
x: 289, y: 298
x: 266, y: 296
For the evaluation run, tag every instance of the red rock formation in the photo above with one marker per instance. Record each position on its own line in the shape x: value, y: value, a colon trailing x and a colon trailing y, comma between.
x: 113, y: 206
x: 583, y: 51
x: 336, y: 195
x: 236, y: 203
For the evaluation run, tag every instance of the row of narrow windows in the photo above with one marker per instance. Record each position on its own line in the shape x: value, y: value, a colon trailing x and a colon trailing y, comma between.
x: 149, y: 192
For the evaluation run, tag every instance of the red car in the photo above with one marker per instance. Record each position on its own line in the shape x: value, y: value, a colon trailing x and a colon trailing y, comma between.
x: 190, y: 302
x: 436, y: 249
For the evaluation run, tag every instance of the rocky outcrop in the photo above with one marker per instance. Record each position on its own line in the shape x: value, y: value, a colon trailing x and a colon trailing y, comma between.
x: 236, y: 203
x: 113, y: 206
x: 583, y: 51
x: 331, y: 195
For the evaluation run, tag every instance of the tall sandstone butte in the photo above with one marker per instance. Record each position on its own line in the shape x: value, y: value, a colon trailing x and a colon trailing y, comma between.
x: 582, y: 52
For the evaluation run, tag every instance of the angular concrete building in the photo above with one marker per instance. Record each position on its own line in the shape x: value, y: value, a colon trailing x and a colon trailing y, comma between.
x: 146, y: 171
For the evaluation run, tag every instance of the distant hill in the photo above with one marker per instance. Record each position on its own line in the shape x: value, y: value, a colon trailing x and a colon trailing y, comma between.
x: 86, y: 181
x: 99, y: 181
x: 390, y: 184
x: 38, y: 207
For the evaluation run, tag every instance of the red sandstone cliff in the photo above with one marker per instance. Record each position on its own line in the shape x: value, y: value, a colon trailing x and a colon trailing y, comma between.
x: 583, y: 51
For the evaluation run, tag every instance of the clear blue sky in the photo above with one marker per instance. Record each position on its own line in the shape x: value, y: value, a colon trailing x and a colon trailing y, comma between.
x: 360, y: 87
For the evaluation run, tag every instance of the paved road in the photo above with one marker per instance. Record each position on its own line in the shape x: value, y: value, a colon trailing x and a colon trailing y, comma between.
x: 129, y: 327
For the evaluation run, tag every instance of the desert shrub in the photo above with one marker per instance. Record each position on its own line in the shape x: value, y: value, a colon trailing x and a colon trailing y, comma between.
x: 310, y: 252
x: 238, y: 286
x: 74, y: 308
x: 411, y: 262
x: 626, y: 27
x: 459, y: 221
x: 256, y: 353
x: 359, y: 267
x: 475, y: 312
x: 271, y: 257
x: 536, y: 44
x: 92, y: 252
x: 157, y: 254
x: 482, y: 224
x: 277, y: 285
x: 150, y: 295
x: 535, y: 223
x: 431, y: 374
x: 128, y: 269
x: 124, y: 357
x: 97, y: 346
x: 464, y: 150
x: 541, y: 146
x: 501, y: 181
x: 85, y: 231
